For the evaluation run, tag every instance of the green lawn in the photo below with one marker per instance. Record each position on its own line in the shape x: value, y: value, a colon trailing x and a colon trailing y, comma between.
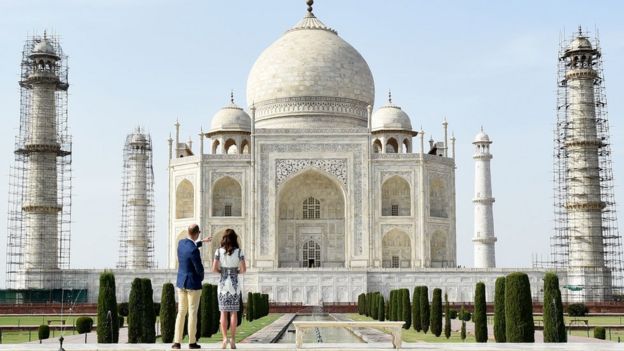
x: 592, y: 320
x: 614, y: 334
x: 244, y: 330
x: 37, y: 320
x: 412, y: 335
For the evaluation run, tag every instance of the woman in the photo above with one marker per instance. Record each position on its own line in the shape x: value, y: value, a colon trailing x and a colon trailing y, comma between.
x: 229, y: 261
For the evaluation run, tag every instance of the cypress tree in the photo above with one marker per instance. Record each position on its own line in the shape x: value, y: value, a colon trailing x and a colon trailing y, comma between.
x: 424, y: 308
x: 214, y: 307
x: 406, y: 309
x: 167, y: 313
x: 250, y: 307
x: 149, y: 315
x: 391, y: 306
x: 447, y: 317
x: 480, y: 314
x: 107, y: 324
x: 554, y: 327
x: 519, y: 325
x: 239, y: 315
x: 375, y: 308
x: 499, y: 310
x: 369, y: 306
x: 382, y: 309
x: 463, y: 330
x: 416, y: 309
x: 205, y: 312
x: 436, y: 312
x: 135, y: 312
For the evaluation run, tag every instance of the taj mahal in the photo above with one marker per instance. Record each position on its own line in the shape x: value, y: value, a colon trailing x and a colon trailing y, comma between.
x: 330, y: 196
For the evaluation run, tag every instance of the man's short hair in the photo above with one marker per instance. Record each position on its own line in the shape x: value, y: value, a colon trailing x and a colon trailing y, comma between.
x: 193, y: 229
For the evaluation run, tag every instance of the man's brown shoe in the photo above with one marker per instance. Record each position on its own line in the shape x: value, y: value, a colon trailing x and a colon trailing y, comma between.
x: 176, y: 346
x: 194, y: 346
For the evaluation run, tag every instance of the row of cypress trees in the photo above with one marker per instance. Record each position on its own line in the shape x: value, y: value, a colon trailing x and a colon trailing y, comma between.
x: 257, y: 306
x: 141, y: 314
x: 372, y: 305
x: 513, y: 309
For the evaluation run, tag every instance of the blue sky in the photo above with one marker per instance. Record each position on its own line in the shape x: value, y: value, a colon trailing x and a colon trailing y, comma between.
x: 490, y: 63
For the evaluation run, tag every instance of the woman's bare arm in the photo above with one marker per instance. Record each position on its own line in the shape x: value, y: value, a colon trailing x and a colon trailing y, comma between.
x: 216, y: 266
x: 242, y: 267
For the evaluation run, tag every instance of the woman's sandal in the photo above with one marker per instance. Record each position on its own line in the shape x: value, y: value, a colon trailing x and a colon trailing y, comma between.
x: 232, y: 344
x: 224, y: 343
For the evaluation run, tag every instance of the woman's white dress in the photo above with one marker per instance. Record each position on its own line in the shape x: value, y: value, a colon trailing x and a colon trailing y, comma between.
x: 228, y: 290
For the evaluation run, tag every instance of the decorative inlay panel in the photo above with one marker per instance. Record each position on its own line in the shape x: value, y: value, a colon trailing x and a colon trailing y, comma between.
x: 285, y: 168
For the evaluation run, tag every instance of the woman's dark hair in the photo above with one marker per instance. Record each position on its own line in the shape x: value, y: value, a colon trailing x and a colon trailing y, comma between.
x: 229, y: 241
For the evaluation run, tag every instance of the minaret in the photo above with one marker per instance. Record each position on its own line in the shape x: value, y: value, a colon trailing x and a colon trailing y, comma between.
x: 137, y: 228
x: 484, y: 239
x: 38, y: 243
x: 587, y: 226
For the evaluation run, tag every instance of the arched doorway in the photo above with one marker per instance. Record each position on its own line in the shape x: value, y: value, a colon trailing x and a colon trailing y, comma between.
x: 311, y: 207
x: 311, y: 254
x: 226, y: 198
x: 396, y: 249
x: 185, y: 200
x: 395, y: 197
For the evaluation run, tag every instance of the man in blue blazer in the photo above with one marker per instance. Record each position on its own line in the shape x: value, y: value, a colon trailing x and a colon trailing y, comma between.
x: 189, y: 283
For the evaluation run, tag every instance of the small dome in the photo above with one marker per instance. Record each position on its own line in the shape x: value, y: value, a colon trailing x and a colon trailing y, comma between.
x: 481, y: 137
x: 230, y: 118
x: 44, y: 47
x: 580, y: 43
x: 138, y: 138
x: 390, y: 117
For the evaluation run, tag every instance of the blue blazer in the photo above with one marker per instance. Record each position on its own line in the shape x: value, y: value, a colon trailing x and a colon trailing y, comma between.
x: 190, y: 267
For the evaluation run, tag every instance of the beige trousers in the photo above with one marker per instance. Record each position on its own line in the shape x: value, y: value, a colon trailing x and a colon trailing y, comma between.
x: 188, y: 301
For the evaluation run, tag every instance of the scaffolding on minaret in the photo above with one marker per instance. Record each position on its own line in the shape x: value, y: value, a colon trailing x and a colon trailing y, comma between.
x: 136, y: 240
x: 39, y: 211
x: 586, y: 240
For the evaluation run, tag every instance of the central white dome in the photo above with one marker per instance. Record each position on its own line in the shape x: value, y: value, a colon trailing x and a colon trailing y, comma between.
x: 310, y: 78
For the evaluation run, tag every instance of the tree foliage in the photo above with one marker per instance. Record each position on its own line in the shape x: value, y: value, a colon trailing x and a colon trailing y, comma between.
x: 107, y: 324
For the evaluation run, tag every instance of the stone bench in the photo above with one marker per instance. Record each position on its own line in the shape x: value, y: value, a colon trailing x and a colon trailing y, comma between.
x: 395, y: 328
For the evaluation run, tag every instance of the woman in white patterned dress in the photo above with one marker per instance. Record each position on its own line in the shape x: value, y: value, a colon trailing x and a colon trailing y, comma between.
x: 229, y: 261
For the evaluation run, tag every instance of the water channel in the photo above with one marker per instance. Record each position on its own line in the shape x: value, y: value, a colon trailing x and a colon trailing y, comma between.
x: 319, y: 335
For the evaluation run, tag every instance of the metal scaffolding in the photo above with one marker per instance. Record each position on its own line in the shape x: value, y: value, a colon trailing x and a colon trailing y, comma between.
x: 586, y: 241
x: 136, y: 240
x: 39, y: 211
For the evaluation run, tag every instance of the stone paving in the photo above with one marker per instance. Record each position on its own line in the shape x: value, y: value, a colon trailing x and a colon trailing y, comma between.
x: 271, y: 332
x: 325, y: 347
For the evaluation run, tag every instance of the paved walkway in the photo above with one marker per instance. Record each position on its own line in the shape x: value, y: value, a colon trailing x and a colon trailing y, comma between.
x: 326, y: 347
x: 271, y: 332
x: 368, y: 335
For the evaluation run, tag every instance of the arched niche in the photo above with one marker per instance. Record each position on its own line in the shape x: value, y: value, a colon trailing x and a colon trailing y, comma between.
x: 185, y: 200
x: 226, y: 198
x: 396, y: 249
x: 395, y: 197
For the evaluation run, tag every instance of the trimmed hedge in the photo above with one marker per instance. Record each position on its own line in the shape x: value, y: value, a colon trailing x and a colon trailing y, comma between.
x: 135, y: 312
x: 107, y: 310
x: 416, y: 309
x: 519, y: 325
x: 148, y: 322
x: 436, y: 312
x: 205, y: 313
x: 600, y: 333
x: 122, y: 308
x: 214, y: 300
x: 499, y: 310
x: 462, y: 334
x: 424, y: 308
x: 406, y: 309
x: 554, y: 326
x: 381, y: 313
x: 84, y: 325
x: 43, y: 332
x: 480, y: 314
x: 374, y: 307
x: 577, y: 310
x: 167, y: 313
x: 447, y: 317
x: 250, y: 306
x: 120, y: 320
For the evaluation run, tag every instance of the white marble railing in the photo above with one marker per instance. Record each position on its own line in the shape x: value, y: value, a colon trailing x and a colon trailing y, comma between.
x: 394, y: 327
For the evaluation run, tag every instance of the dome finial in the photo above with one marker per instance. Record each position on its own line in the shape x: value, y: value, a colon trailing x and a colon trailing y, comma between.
x: 45, y: 34
x: 389, y: 96
x: 310, y: 3
x: 232, y: 96
x: 580, y: 31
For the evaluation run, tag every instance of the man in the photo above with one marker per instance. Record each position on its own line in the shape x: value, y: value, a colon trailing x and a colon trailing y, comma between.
x: 189, y: 283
